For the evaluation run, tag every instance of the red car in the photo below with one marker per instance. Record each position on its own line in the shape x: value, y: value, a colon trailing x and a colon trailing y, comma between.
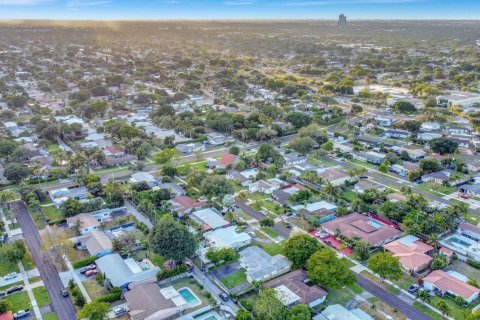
x: 90, y: 273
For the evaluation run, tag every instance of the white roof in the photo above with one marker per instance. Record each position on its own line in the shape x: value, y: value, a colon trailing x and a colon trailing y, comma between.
x: 142, y: 176
x: 226, y: 237
x: 210, y: 218
x: 286, y: 296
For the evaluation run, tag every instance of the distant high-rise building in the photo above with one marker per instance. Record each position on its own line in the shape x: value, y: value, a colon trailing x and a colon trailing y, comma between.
x: 342, y: 21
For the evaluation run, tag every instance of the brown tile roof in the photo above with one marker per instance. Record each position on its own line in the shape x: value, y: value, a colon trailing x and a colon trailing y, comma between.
x: 333, y: 174
x: 187, y: 203
x: 469, y: 227
x: 359, y: 225
x: 228, y: 159
x: 294, y: 281
x: 447, y: 282
x: 411, y: 256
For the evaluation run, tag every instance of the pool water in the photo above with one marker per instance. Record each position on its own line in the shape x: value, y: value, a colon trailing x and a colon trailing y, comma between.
x: 188, y: 296
x: 375, y: 223
x: 460, y: 242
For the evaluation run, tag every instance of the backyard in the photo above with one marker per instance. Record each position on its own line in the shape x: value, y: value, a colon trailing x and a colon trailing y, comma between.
x: 51, y: 213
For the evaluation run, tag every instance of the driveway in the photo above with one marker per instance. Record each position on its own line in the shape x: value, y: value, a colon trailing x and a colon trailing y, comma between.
x: 283, y: 231
x: 409, y: 311
x: 61, y: 305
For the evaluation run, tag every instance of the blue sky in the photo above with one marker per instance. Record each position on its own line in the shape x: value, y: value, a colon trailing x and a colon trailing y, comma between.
x: 238, y: 9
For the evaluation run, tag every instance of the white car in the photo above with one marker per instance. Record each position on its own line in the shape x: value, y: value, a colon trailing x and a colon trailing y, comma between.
x: 21, y: 314
x: 10, y: 276
x: 321, y: 234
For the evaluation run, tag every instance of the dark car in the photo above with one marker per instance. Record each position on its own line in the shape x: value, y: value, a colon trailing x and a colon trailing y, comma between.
x: 64, y: 292
x: 14, y: 289
x: 288, y: 225
x: 2, y: 293
x: 223, y: 296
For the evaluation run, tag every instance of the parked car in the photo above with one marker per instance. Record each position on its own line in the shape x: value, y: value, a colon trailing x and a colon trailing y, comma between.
x: 119, y: 311
x: 64, y: 292
x: 88, y: 268
x: 21, y: 314
x: 90, y: 273
x: 288, y: 225
x: 2, y: 293
x: 321, y: 234
x: 14, y: 289
x: 10, y: 276
x: 223, y: 296
x: 413, y: 288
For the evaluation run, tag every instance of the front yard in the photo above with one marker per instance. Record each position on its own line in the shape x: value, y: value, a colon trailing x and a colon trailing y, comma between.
x: 271, y: 248
x: 51, y: 213
x: 234, y: 279
x: 41, y: 296
x: 19, y: 301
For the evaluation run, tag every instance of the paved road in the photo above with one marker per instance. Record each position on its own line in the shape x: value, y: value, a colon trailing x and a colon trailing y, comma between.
x: 62, y: 306
x: 137, y: 214
x: 408, y: 310
x: 398, y: 183
x: 212, y: 288
x: 283, y: 231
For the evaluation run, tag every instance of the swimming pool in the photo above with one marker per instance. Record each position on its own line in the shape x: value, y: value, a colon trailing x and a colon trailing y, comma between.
x: 459, y: 242
x: 375, y: 223
x: 190, y: 297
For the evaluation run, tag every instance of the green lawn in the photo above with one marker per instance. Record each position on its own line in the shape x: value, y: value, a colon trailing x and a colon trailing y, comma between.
x: 6, y: 268
x: 53, y: 147
x: 340, y: 296
x: 272, y: 233
x: 355, y: 288
x: 50, y: 316
x: 456, y: 311
x: 255, y: 196
x: 271, y: 248
x: 405, y: 281
x: 41, y: 295
x: 52, y: 213
x: 273, y: 207
x: 94, y: 289
x: 234, y: 279
x: 349, y: 195
x: 19, y: 301
x: 429, y: 312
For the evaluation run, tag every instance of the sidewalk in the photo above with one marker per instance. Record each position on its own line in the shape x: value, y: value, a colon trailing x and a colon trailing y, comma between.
x: 77, y: 280
x: 29, y: 288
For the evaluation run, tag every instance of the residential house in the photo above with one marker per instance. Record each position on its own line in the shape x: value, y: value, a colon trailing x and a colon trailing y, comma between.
x: 190, y: 147
x: 384, y: 121
x: 148, y: 302
x: 281, y: 196
x: 216, y: 139
x: 7, y: 316
x: 371, y: 157
x: 244, y: 178
x: 412, y: 253
x: 397, y: 134
x: 114, y: 152
x: 144, y: 177
x: 462, y: 141
x: 464, y: 247
x: 470, y: 189
x: 260, y: 266
x: 405, y: 168
x: 338, y: 312
x: 61, y: 195
x: 436, y: 177
x: 85, y: 222
x: 469, y: 230
x: 228, y: 160
x: 209, y: 219
x: 335, y: 176
x: 292, y: 159
x: 449, y: 283
x: 121, y: 273
x: 227, y: 237
x: 314, y: 206
x: 174, y: 189
x: 428, y: 136
x: 294, y: 285
x: 118, y: 161
x: 366, y: 228
x: 430, y: 126
x: 263, y: 186
x: 96, y: 242
x: 473, y: 165
x: 184, y: 204
x: 366, y: 185
x: 415, y: 154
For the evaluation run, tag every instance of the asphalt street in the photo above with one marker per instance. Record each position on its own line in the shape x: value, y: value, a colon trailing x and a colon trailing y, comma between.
x: 409, y: 311
x: 61, y: 305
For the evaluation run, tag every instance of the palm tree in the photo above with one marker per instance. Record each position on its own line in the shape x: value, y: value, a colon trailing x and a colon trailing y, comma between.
x: 330, y: 189
x: 443, y: 308
x: 257, y: 286
x: 434, y: 241
x: 424, y: 296
x: 6, y: 196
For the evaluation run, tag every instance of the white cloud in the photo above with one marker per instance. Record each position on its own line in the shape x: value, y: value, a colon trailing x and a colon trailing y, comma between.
x: 21, y: 2
x: 238, y: 3
x: 81, y: 3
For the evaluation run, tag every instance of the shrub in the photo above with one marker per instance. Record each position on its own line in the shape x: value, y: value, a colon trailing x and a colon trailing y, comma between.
x: 168, y: 273
x: 473, y: 263
x: 114, y: 295
x: 247, y: 305
x: 85, y: 262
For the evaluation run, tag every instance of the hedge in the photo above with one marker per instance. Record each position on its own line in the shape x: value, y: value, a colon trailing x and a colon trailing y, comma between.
x: 114, y: 295
x: 473, y: 263
x: 84, y: 262
x: 168, y: 273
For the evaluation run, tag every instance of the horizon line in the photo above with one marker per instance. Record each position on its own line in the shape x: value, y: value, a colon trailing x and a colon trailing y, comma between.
x: 228, y: 19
